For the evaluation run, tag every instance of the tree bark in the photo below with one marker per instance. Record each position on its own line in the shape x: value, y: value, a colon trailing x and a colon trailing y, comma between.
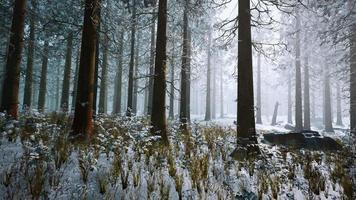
x: 298, y: 80
x: 136, y: 86
x: 9, y: 102
x: 327, y: 102
x: 130, y: 87
x: 152, y: 65
x: 158, y: 118
x: 275, y: 114
x: 75, y: 81
x: 221, y: 94
x: 171, y: 95
x: 259, y: 111
x: 245, y: 103
x: 306, y: 93
x: 66, y: 75
x: 338, y: 106
x: 27, y: 98
x: 208, y: 87
x: 118, y: 82
x: 290, y: 104
x: 102, y: 108
x: 83, y: 115
x: 97, y: 63
x: 183, y: 118
x: 213, y: 105
x: 43, y: 81
x: 353, y: 80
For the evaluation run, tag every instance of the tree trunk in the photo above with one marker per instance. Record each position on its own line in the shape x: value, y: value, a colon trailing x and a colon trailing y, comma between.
x: 171, y: 95
x: 102, y: 108
x: 9, y: 102
x: 118, y: 82
x: 338, y: 106
x: 208, y: 87
x: 221, y: 94
x: 183, y: 118
x: 30, y: 57
x: 298, y: 81
x: 327, y: 102
x: 275, y: 114
x: 43, y: 81
x: 259, y: 111
x: 290, y: 104
x: 75, y: 81
x: 353, y: 80
x: 97, y: 63
x: 57, y: 88
x: 66, y: 75
x: 136, y: 81
x: 306, y: 93
x: 83, y: 115
x: 213, y: 105
x: 152, y: 65
x: 245, y: 103
x: 158, y: 118
x: 188, y: 75
x: 130, y: 97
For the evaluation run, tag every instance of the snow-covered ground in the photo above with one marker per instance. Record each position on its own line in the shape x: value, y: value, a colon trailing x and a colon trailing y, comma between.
x: 125, y: 162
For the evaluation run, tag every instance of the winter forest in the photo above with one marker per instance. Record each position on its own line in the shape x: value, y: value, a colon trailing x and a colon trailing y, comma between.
x: 178, y: 99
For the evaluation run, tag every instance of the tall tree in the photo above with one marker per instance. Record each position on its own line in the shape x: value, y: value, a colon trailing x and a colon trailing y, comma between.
x: 352, y: 77
x: 152, y: 63
x: 183, y: 118
x: 289, y: 98
x: 158, y: 117
x: 10, y: 92
x: 259, y: 111
x: 338, y: 106
x: 130, y: 88
x: 83, y: 115
x: 327, y: 102
x: 208, y: 77
x: 118, y: 77
x: 136, y: 78
x: 66, y: 76
x: 221, y: 94
x: 245, y: 102
x: 306, y: 88
x: 275, y: 114
x: 298, y: 79
x: 43, y: 81
x: 97, y: 63
x: 75, y: 80
x: 102, y: 108
x: 30, y: 57
x: 171, y: 84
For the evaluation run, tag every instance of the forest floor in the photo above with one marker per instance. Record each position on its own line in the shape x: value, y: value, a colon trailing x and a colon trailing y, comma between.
x: 124, y: 161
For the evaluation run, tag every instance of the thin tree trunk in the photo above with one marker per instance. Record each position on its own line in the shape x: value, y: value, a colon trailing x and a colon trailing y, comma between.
x: 188, y: 74
x: 83, y: 115
x: 213, y: 105
x: 245, y: 103
x: 353, y: 79
x: 208, y: 87
x: 136, y: 81
x: 75, y: 81
x: 97, y: 63
x: 130, y: 97
x: 27, y: 98
x: 43, y: 81
x: 183, y: 118
x: 289, y: 99
x: 57, y: 88
x: 158, y: 118
x: 221, y: 94
x: 66, y: 75
x: 338, y: 106
x: 102, y: 108
x: 298, y: 81
x: 171, y: 95
x: 118, y: 82
x: 9, y: 102
x: 152, y: 64
x: 327, y: 102
x: 275, y: 114
x: 306, y: 93
x: 259, y: 111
